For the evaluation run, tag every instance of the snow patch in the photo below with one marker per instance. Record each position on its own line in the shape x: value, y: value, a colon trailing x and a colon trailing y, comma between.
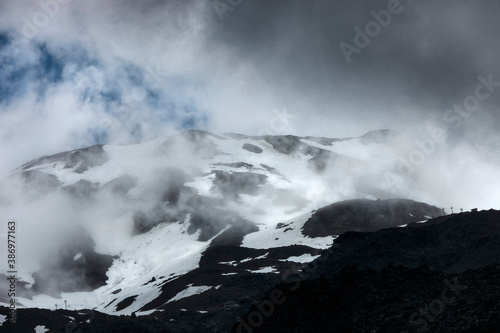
x: 405, y: 225
x: 146, y: 313
x: 230, y: 263
x: 307, y: 257
x: 166, y: 251
x: 264, y: 270
x: 268, y: 236
x: 189, y: 291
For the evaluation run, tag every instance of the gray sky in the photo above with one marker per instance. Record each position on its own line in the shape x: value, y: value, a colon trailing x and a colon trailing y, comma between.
x: 75, y: 74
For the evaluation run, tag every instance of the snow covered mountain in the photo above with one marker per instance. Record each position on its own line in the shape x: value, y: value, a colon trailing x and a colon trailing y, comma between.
x: 195, y: 225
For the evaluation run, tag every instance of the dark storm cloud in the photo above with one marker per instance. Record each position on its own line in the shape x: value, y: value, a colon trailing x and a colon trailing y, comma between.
x: 427, y: 58
x: 124, y: 70
x: 238, y: 65
x: 416, y: 70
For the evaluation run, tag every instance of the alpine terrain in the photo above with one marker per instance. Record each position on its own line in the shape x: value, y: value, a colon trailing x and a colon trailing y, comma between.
x: 216, y: 233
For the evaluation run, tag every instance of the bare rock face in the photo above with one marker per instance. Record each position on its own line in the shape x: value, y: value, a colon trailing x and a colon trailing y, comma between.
x: 439, y: 276
x: 232, y: 184
x: 367, y: 215
x: 242, y: 207
x: 78, y: 268
x: 41, y: 181
x: 252, y: 148
x: 380, y: 136
x: 83, y: 159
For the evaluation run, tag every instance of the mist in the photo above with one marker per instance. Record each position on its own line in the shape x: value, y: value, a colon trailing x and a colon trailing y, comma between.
x: 79, y: 74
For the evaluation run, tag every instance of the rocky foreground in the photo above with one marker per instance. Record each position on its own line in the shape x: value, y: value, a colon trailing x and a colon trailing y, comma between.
x: 438, y: 276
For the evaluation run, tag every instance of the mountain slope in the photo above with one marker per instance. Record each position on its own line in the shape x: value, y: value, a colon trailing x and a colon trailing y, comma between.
x: 439, y: 276
x: 193, y: 221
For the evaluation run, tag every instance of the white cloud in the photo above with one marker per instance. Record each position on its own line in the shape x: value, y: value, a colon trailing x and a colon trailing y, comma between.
x: 136, y: 70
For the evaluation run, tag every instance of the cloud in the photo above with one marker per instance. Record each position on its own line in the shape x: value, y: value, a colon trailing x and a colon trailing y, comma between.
x: 127, y: 71
x: 75, y: 74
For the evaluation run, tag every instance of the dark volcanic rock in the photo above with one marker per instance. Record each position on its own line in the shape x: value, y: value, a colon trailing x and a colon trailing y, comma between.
x: 237, y: 136
x: 252, y: 148
x: 41, y: 181
x: 194, y: 141
x: 440, y: 276
x: 380, y: 136
x: 68, y: 272
x: 457, y: 243
x: 177, y: 202
x: 84, y: 321
x: 199, y: 135
x: 125, y: 303
x: 237, y: 165
x: 84, y: 158
x: 357, y: 286
x: 285, y: 144
x: 232, y: 184
x: 320, y: 158
x: 290, y: 144
x: 83, y: 189
x: 147, y: 220
x: 393, y: 300
x: 271, y: 169
x: 211, y: 221
x: 87, y: 158
x: 325, y: 141
x: 366, y: 215
x: 174, y: 200
x: 203, y: 214
x: 237, y: 286
x: 173, y: 180
x: 121, y: 185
